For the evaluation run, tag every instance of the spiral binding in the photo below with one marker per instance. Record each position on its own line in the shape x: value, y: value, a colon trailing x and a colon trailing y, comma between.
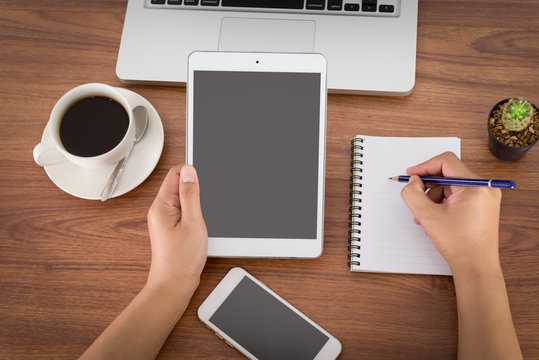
x: 356, y: 186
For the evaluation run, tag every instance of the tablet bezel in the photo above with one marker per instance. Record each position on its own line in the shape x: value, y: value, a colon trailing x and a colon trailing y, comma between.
x: 264, y: 62
x: 211, y: 304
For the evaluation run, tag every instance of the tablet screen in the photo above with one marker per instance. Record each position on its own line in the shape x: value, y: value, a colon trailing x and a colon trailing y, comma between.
x: 256, y: 148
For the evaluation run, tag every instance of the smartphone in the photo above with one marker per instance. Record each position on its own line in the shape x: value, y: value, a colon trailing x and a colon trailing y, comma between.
x: 250, y: 317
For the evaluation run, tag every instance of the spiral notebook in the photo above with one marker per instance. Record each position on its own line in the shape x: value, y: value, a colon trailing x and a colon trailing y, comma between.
x: 383, y: 235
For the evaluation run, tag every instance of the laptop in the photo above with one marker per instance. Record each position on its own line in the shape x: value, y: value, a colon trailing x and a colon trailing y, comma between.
x: 369, y: 45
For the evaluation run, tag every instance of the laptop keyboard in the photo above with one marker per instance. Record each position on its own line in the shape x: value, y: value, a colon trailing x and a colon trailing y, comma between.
x: 385, y: 8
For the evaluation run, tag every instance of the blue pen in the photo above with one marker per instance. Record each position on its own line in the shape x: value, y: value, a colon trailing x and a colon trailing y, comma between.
x: 501, y: 184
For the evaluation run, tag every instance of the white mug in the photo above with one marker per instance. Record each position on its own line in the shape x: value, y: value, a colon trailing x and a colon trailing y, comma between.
x: 51, y: 151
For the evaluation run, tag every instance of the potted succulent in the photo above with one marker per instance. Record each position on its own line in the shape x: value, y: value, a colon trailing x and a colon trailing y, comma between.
x: 513, y: 128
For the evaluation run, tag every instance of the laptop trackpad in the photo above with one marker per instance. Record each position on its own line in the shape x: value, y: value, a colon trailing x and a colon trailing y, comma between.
x: 267, y: 35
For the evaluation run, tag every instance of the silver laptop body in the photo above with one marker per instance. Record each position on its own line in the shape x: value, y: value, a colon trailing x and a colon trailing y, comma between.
x: 369, y: 49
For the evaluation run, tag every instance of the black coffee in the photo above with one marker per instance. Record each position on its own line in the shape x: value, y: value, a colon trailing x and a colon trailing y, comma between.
x: 93, y: 126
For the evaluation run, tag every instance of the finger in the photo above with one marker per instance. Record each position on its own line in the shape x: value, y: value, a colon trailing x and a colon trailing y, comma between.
x: 170, y: 189
x: 436, y: 194
x: 448, y: 191
x: 165, y: 210
x: 446, y: 164
x: 417, y: 201
x: 189, y: 194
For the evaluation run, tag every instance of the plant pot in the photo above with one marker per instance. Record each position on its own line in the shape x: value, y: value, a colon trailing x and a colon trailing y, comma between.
x: 500, y: 150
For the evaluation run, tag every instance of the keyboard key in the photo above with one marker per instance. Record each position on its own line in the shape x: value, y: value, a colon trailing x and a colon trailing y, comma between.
x: 368, y: 5
x: 369, y: 8
x: 386, y: 8
x: 334, y: 4
x: 158, y: 2
x: 351, y: 7
x: 209, y: 2
x: 270, y: 4
x: 316, y: 4
x: 174, y: 2
x: 191, y: 2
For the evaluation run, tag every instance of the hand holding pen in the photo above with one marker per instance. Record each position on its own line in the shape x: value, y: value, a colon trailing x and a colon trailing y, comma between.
x: 462, y: 221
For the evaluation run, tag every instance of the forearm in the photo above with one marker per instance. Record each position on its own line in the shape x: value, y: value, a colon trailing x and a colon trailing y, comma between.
x: 141, y: 329
x: 486, y: 329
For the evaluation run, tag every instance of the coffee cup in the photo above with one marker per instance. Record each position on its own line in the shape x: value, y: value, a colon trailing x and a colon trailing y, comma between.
x: 91, y: 126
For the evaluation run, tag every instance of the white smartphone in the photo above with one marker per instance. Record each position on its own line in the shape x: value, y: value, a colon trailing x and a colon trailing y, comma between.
x: 256, y: 131
x: 247, y: 315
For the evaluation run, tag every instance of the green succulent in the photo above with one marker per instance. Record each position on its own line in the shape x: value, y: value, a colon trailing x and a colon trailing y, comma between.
x: 517, y: 114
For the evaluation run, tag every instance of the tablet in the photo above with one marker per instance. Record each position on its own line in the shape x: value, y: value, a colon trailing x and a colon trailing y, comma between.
x: 256, y: 130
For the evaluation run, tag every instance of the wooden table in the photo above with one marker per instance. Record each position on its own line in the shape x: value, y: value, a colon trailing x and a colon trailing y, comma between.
x: 68, y: 266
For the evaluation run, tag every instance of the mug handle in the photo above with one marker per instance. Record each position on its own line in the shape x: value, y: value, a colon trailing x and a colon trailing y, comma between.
x: 45, y: 154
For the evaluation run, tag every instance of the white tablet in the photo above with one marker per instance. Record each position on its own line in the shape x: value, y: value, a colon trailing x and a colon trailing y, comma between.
x: 256, y: 130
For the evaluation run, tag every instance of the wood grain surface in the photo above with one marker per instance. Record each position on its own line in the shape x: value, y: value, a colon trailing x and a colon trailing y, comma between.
x: 68, y: 266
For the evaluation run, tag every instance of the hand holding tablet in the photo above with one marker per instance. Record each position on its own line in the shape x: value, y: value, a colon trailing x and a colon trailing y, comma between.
x: 256, y: 128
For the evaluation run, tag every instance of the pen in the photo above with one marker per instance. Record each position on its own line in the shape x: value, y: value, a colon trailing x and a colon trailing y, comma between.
x: 501, y: 184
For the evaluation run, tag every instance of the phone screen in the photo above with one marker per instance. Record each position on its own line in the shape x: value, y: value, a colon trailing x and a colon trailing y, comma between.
x: 256, y: 151
x: 265, y: 326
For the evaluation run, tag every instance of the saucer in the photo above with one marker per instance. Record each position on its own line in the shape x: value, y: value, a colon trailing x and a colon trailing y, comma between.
x: 89, y: 183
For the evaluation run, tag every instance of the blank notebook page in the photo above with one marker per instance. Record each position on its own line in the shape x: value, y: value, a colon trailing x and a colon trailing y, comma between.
x: 390, y: 241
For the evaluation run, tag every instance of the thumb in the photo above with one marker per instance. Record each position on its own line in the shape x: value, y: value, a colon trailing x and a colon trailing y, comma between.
x: 415, y: 198
x: 189, y: 194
